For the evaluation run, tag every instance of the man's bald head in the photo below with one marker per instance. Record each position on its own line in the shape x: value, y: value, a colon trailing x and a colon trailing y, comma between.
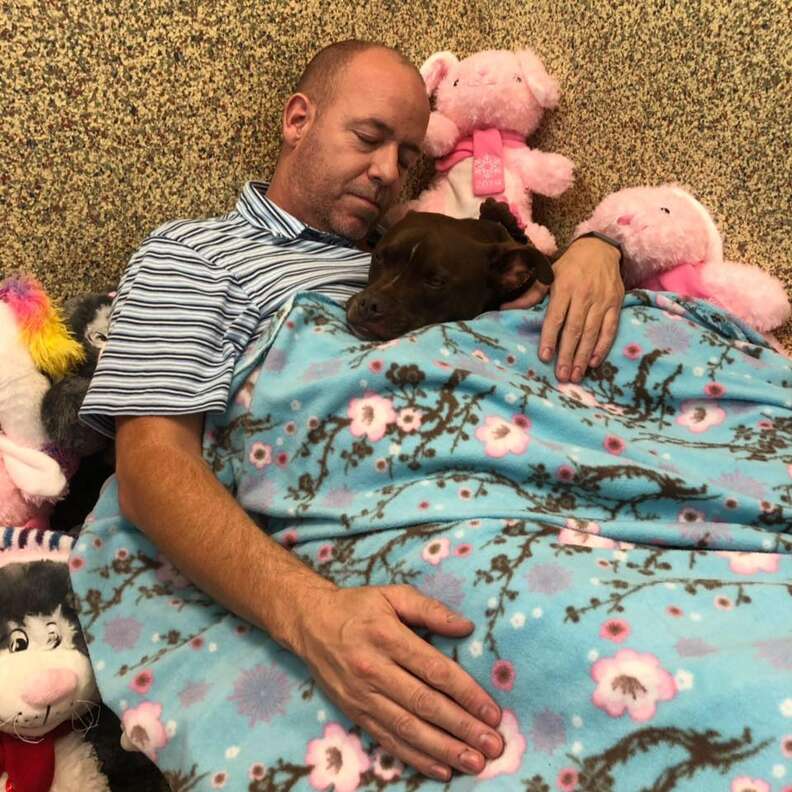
x: 351, y: 132
x: 323, y: 73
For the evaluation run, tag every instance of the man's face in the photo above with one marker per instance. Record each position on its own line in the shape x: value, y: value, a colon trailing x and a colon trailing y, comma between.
x: 351, y: 164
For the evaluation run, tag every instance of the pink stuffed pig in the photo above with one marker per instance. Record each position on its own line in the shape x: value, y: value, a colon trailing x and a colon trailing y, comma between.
x: 485, y: 107
x: 671, y: 243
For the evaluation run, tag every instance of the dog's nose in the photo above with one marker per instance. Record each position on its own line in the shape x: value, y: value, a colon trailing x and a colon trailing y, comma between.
x: 369, y: 306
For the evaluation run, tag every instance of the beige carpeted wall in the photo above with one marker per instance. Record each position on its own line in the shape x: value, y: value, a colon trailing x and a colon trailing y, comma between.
x: 117, y: 116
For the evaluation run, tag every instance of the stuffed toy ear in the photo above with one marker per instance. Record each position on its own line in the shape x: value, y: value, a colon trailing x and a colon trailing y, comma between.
x: 542, y: 85
x: 435, y: 69
x: 33, y: 472
x: 714, y: 241
x: 515, y: 267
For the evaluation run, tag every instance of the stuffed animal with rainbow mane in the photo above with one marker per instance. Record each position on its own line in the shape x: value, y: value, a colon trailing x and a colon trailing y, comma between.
x: 35, y: 347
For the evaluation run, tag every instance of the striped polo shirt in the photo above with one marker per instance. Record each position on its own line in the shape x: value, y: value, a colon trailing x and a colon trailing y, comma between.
x: 196, y: 294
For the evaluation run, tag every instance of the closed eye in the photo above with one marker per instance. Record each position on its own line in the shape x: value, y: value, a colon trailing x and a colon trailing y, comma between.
x: 366, y: 140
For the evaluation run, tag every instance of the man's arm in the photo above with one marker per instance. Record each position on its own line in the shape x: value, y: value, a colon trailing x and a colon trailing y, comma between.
x: 585, y: 303
x: 167, y: 490
x: 419, y: 705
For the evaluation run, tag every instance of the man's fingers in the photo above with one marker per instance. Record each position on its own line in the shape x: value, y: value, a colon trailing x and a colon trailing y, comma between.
x: 553, y: 322
x: 570, y: 336
x: 426, y: 662
x: 532, y: 297
x: 466, y: 719
x: 586, y: 274
x: 411, y: 756
x: 418, y: 610
x: 425, y: 719
x: 607, y: 334
x: 425, y: 701
x: 591, y: 333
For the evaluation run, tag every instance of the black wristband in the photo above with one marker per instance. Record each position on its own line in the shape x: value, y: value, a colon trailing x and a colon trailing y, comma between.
x: 604, y: 238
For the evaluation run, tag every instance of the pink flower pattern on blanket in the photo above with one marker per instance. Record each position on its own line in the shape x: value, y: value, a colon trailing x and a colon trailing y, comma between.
x: 371, y: 416
x: 143, y: 729
x: 631, y: 682
x: 338, y: 759
x: 501, y: 437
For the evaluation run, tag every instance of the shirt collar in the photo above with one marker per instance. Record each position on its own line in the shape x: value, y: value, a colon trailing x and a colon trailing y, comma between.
x: 261, y: 212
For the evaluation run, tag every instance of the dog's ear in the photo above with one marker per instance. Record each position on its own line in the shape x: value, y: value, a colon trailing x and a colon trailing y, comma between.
x: 515, y: 267
x: 499, y: 212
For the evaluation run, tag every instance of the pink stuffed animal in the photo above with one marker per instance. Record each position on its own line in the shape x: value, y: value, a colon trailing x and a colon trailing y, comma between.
x: 671, y: 243
x: 486, y: 106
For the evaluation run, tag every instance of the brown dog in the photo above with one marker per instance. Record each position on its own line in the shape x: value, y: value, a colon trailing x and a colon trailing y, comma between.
x: 430, y: 268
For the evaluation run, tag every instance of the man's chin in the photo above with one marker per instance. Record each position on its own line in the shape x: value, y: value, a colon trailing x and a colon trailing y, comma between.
x: 353, y: 227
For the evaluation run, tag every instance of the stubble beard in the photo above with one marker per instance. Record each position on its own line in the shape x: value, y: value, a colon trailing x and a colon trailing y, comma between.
x: 319, y: 196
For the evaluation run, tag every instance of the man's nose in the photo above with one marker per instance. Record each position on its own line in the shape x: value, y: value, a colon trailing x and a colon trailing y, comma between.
x: 385, y: 165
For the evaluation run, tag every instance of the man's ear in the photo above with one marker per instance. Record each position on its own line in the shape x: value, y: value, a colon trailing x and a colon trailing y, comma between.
x: 298, y: 115
x: 515, y: 267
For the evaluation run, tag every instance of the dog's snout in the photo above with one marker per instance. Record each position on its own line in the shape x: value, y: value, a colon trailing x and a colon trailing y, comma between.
x: 370, y: 306
x: 371, y: 315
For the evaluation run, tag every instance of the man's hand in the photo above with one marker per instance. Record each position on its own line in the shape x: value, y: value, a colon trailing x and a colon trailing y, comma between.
x: 585, y: 301
x: 415, y: 701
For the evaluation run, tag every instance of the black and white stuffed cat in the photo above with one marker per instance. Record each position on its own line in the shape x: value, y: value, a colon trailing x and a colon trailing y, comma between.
x: 48, y: 692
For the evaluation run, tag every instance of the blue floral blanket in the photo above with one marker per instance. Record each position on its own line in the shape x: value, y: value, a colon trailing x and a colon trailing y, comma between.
x: 623, y: 546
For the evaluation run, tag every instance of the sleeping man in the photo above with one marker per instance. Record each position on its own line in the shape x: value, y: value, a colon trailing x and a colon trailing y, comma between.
x: 192, y: 300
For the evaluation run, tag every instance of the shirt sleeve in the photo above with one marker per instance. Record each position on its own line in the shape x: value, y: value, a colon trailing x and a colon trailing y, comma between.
x: 177, y: 327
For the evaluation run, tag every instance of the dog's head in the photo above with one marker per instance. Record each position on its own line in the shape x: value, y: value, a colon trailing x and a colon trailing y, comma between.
x: 430, y: 268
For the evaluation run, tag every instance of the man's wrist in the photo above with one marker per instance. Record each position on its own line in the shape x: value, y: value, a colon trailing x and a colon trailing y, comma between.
x: 287, y: 603
x: 604, y: 238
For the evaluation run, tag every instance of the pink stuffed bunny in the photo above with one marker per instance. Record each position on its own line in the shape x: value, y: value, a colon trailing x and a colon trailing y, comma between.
x: 486, y: 106
x: 670, y: 243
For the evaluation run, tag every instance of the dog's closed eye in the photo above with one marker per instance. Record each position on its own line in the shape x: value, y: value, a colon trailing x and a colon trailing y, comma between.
x: 435, y: 280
